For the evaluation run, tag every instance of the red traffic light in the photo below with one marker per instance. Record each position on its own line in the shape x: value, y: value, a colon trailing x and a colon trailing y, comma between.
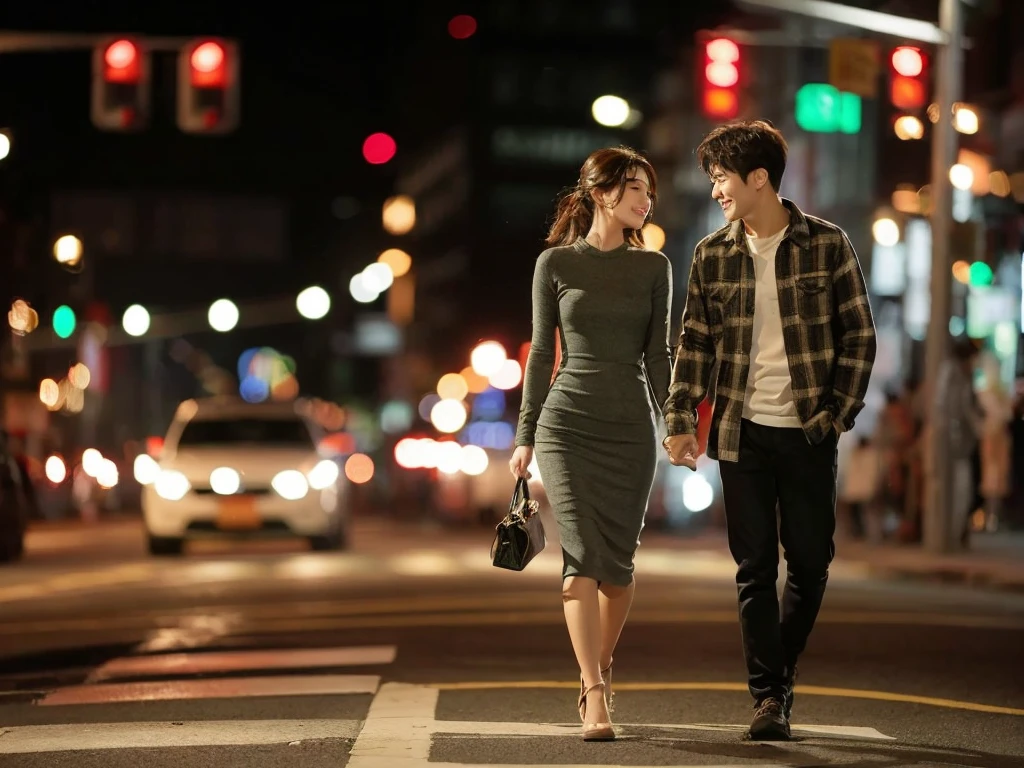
x: 721, y: 76
x: 908, y: 61
x: 121, y: 55
x: 208, y: 65
x: 207, y: 57
x: 908, y: 88
x: 379, y: 148
x: 121, y: 62
x: 462, y: 27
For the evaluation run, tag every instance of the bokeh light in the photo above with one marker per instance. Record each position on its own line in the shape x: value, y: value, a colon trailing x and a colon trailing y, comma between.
x: 359, y: 468
x: 313, y: 303
x: 379, y: 148
x: 397, y: 260
x: 452, y: 386
x: 487, y: 358
x: 462, y: 27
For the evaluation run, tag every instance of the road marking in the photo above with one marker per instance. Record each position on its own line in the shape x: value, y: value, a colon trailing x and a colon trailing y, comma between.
x: 27, y: 739
x: 826, y: 731
x: 489, y: 729
x: 398, y: 728
x: 809, y: 690
x: 239, y: 661
x: 222, y: 688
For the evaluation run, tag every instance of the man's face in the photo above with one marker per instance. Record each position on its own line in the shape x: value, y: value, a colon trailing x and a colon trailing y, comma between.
x: 736, y: 197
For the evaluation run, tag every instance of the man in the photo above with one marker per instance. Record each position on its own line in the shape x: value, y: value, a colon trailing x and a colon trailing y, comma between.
x: 777, y: 299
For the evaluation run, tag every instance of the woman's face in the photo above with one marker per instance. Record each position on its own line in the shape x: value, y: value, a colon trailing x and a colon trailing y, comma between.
x: 632, y: 210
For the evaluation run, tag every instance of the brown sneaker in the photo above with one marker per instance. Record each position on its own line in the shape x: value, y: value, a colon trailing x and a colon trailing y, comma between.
x: 770, y: 722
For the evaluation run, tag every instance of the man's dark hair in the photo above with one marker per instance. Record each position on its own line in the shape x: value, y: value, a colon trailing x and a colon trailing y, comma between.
x: 744, y: 147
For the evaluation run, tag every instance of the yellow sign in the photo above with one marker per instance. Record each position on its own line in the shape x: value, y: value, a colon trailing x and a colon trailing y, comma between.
x: 853, y: 66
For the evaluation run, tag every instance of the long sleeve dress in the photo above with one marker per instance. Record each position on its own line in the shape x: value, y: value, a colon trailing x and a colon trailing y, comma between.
x: 594, y: 427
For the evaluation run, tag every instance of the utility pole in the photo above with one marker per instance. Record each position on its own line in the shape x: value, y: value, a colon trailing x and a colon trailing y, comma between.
x: 937, y: 533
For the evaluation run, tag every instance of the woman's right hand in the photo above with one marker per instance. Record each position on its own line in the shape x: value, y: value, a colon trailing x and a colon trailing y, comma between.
x: 520, y: 461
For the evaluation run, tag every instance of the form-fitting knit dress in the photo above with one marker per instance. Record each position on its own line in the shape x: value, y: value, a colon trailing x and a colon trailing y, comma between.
x: 594, y: 429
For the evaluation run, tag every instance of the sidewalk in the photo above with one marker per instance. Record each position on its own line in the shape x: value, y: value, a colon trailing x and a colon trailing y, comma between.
x: 994, y: 560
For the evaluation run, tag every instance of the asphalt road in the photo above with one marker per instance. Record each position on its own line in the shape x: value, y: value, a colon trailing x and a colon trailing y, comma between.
x: 410, y: 648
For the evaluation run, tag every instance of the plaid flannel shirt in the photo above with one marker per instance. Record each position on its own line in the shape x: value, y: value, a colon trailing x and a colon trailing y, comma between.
x: 826, y: 323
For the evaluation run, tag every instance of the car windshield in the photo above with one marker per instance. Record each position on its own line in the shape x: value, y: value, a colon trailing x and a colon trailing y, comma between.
x: 288, y: 432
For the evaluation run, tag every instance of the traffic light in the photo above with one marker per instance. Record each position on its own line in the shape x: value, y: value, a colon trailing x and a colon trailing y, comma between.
x: 720, y: 79
x: 120, y: 85
x: 64, y: 321
x: 208, y: 86
x: 908, y: 78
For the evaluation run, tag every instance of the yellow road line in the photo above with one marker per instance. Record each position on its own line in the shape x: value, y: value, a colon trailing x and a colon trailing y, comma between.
x: 809, y: 690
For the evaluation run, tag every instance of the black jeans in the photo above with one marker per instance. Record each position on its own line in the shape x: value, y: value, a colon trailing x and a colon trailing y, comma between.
x: 779, y: 468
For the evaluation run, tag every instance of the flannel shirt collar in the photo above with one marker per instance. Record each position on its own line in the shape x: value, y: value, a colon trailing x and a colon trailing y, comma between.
x: 799, y: 231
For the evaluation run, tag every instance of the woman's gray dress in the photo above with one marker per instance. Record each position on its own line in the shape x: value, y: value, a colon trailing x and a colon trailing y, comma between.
x: 594, y: 428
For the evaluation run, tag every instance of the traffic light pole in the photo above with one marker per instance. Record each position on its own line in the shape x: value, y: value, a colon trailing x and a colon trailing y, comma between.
x: 28, y: 42
x: 937, y: 532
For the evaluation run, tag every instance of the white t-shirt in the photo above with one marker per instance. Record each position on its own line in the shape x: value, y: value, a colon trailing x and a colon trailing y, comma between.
x: 769, y: 396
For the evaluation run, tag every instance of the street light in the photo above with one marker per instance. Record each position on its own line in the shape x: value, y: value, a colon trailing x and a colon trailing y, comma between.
x: 67, y: 250
x: 135, y: 320
x: 398, y: 214
x: 908, y: 127
x: 886, y: 231
x: 5, y: 145
x: 965, y: 119
x: 961, y: 176
x: 223, y: 315
x: 397, y: 260
x: 313, y: 303
x: 611, y: 111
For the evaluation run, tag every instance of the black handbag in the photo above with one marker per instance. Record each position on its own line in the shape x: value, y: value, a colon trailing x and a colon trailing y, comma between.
x: 520, y: 536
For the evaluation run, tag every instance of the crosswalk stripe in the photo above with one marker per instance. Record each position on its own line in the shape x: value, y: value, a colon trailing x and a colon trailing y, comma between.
x: 29, y: 739
x: 221, y: 688
x: 239, y: 661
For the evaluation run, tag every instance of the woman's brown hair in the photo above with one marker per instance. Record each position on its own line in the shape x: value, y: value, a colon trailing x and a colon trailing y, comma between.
x: 604, y: 170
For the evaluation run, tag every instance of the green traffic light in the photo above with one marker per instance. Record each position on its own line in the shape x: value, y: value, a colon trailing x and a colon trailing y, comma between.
x: 64, y: 321
x: 980, y: 274
x: 822, y: 108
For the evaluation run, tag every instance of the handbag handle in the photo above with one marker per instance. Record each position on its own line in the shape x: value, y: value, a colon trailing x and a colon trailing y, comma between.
x: 521, y: 488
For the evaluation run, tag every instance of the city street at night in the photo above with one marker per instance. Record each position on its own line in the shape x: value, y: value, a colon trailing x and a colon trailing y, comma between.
x: 412, y: 648
x: 312, y: 315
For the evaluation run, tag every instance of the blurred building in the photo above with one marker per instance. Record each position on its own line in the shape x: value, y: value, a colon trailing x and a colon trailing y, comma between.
x: 486, y: 187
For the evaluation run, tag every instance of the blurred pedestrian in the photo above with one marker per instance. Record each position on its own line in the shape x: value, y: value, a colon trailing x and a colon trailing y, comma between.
x: 605, y: 299
x: 960, y: 422
x: 861, y: 481
x: 777, y: 298
x: 996, y: 441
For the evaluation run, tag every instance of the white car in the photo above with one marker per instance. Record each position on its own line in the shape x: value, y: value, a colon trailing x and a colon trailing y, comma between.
x: 231, y: 469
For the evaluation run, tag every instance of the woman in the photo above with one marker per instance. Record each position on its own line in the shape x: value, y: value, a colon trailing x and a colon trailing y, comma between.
x: 593, y: 426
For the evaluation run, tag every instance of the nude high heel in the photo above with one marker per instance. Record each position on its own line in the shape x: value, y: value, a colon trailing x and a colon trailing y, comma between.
x: 594, y: 731
x: 606, y: 676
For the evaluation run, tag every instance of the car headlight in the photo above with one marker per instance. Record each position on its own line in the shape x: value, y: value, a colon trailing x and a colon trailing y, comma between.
x: 290, y: 484
x: 225, y: 481
x: 323, y: 475
x: 171, y: 485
